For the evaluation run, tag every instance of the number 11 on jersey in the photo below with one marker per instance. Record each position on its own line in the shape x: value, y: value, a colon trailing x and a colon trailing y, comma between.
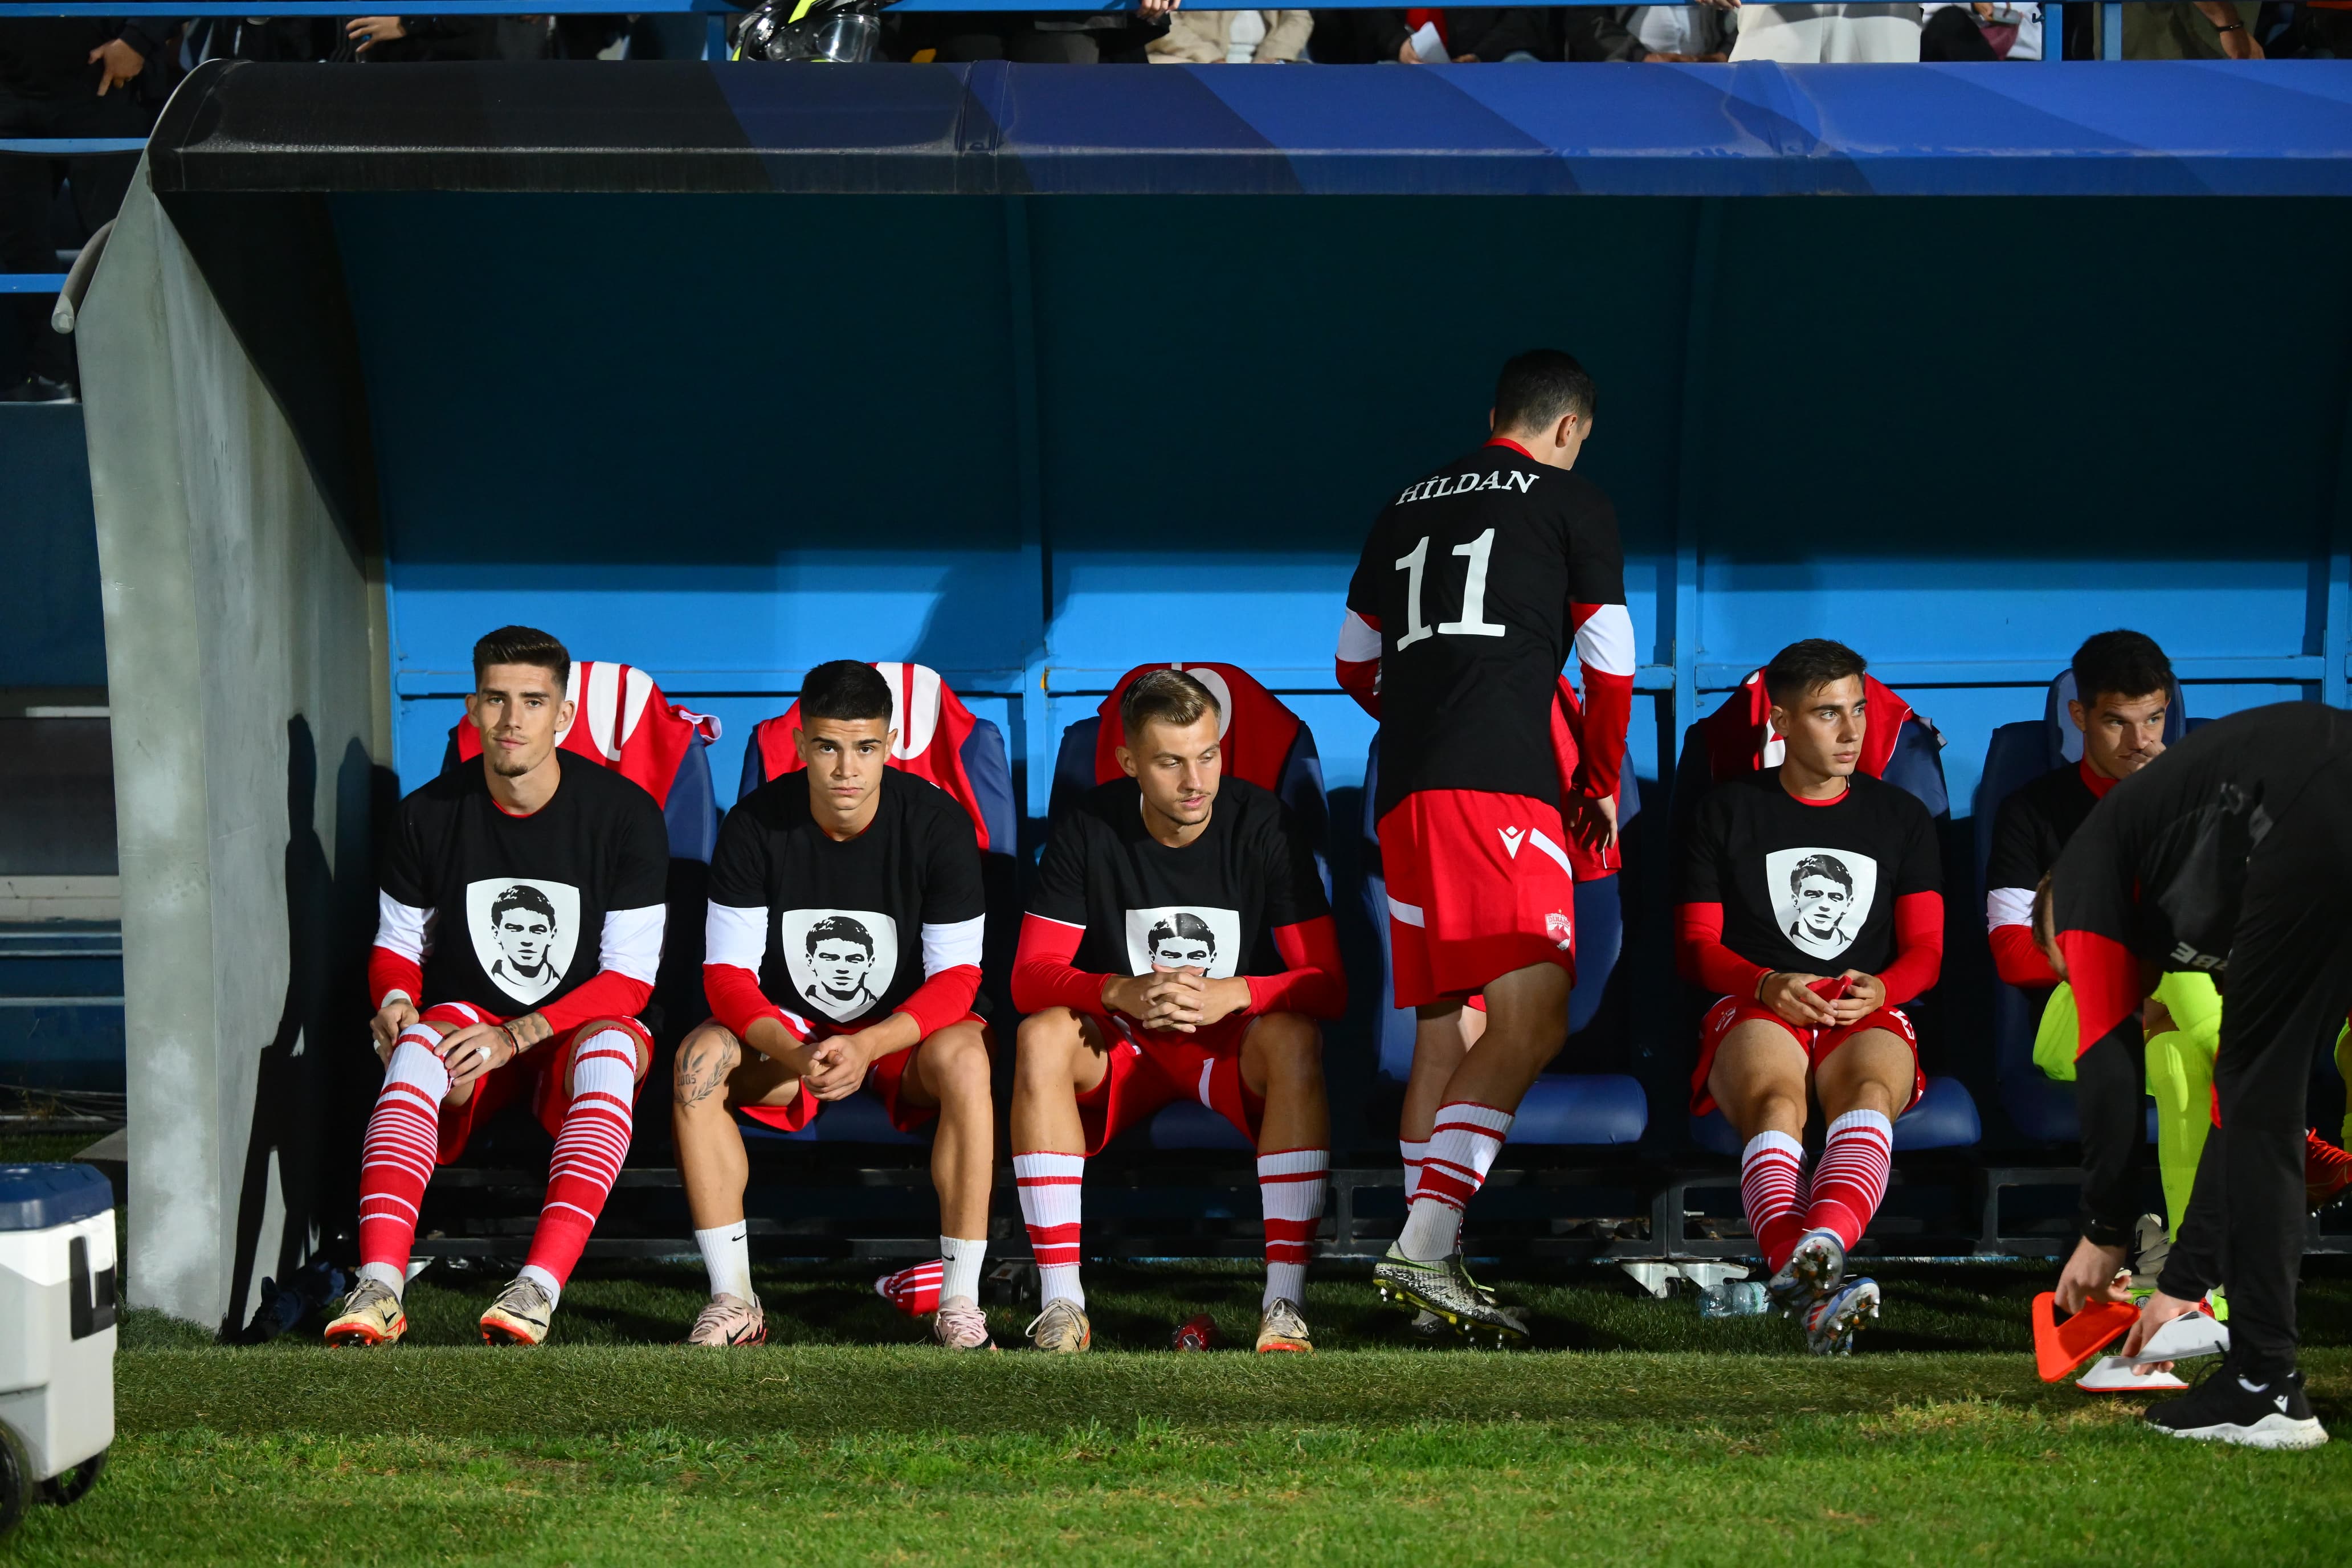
x: 1473, y: 622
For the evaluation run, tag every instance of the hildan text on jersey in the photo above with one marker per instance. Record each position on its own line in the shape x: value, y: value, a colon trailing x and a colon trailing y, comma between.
x: 1456, y: 484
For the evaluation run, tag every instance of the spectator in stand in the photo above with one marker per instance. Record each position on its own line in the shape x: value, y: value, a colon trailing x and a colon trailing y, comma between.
x: 382, y: 40
x: 1068, y: 38
x: 278, y: 40
x: 1829, y: 35
x: 2191, y: 30
x: 1667, y: 34
x: 69, y: 76
x: 1465, y: 36
x: 1233, y: 37
x: 2318, y: 30
x: 1982, y: 31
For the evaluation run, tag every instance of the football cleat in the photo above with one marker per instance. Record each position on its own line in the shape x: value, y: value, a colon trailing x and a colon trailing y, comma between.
x: 2326, y: 1172
x: 1281, y: 1328
x: 959, y: 1324
x: 729, y: 1320
x: 2230, y: 1407
x: 1444, y: 1290
x: 915, y: 1289
x: 1061, y: 1329
x: 1831, y: 1321
x: 371, y: 1315
x: 519, y: 1315
x: 1813, y: 1273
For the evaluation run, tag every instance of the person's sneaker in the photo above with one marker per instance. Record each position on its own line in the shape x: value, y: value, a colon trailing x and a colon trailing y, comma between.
x: 959, y: 1324
x: 1442, y: 1288
x: 2230, y: 1407
x: 519, y: 1315
x: 1831, y: 1321
x: 1281, y: 1328
x: 39, y: 389
x: 2326, y: 1172
x: 728, y: 1320
x: 371, y: 1315
x: 1062, y: 1328
x: 914, y: 1290
x: 1811, y: 1273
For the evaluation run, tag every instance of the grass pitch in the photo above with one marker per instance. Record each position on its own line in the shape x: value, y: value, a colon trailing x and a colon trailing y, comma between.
x: 1640, y: 1431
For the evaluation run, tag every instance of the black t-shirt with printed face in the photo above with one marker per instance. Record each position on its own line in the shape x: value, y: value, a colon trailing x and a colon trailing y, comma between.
x: 846, y: 918
x: 519, y: 902
x: 1214, y: 904
x: 2033, y: 825
x: 1472, y: 577
x: 1805, y: 888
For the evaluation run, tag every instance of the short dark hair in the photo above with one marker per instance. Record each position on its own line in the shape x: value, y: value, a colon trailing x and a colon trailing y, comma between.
x: 522, y: 896
x: 2124, y: 663
x: 1828, y: 866
x: 522, y: 645
x: 840, y: 927
x: 846, y: 690
x: 1539, y: 387
x: 1164, y: 697
x: 1806, y: 667
x: 1181, y: 926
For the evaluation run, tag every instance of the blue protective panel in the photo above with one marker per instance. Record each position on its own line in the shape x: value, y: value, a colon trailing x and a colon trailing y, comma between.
x: 859, y: 1118
x: 53, y: 633
x: 1945, y: 1118
x: 1564, y: 1109
x: 1189, y: 1124
x: 42, y: 1197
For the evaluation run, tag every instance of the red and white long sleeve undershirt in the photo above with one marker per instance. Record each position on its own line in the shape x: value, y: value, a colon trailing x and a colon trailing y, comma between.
x: 1704, y: 959
x: 1045, y: 972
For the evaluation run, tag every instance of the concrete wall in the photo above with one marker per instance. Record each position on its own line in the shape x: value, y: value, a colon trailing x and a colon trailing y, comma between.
x: 244, y: 668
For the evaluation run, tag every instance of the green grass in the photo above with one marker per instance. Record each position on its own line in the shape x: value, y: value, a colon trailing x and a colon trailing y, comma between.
x: 1632, y: 1437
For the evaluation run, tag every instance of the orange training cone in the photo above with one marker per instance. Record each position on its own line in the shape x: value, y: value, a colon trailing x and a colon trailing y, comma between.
x: 2059, y: 1348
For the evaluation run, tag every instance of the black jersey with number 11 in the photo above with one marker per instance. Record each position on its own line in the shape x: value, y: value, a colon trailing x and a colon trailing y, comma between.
x: 1478, y: 581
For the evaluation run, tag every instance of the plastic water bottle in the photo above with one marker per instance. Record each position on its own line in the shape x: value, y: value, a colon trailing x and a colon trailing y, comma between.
x: 1733, y: 1299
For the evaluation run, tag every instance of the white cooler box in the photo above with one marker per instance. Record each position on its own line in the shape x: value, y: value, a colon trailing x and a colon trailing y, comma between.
x: 57, y: 1330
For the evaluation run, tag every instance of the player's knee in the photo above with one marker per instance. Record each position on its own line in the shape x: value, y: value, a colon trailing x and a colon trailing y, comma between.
x: 956, y: 1062
x: 1046, y: 1045
x: 1291, y: 1049
x: 605, y: 1029
x: 707, y: 1055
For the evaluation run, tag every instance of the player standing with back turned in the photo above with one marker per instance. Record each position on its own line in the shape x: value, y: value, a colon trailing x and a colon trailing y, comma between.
x: 1474, y: 587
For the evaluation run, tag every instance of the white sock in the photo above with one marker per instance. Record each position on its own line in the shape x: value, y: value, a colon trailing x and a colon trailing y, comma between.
x: 1414, y: 1153
x: 543, y: 1279
x: 1432, y: 1230
x: 727, y: 1253
x: 1461, y: 1149
x: 390, y: 1276
x: 960, y: 1275
x: 1048, y: 1185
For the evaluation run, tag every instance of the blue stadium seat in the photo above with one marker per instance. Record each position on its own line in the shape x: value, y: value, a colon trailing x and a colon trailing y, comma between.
x: 2018, y: 754
x: 1945, y: 1116
x: 1560, y: 1109
x: 1288, y: 763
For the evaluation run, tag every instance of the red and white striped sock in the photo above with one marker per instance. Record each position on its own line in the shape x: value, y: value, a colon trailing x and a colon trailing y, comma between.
x: 1852, y: 1177
x: 1414, y: 1153
x: 1290, y: 1185
x: 1462, y: 1149
x: 1048, y: 1185
x: 914, y: 1290
x: 588, y: 1149
x: 1771, y: 1176
x: 396, y: 1160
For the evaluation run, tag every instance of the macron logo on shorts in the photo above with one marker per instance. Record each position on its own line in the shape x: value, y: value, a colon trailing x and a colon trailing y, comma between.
x: 1511, y: 839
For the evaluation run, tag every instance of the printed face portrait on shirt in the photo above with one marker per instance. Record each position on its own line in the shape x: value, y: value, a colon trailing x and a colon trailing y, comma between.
x: 1821, y: 897
x: 1208, y: 940
x: 841, y: 961
x: 525, y: 931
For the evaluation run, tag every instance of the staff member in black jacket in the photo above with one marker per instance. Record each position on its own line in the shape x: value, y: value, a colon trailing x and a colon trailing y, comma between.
x: 2230, y: 854
x: 68, y: 76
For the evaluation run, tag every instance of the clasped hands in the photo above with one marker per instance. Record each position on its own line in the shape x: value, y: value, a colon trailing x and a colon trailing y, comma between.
x: 1179, y: 1000
x: 1792, y: 995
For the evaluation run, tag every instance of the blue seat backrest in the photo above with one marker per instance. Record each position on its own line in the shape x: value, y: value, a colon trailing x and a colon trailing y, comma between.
x: 1600, y: 925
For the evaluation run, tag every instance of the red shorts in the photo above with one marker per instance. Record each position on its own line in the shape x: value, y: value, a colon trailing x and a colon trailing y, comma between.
x: 1478, y: 886
x: 1732, y: 1012
x: 1151, y: 1068
x: 539, y: 1075
x: 885, y: 1081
